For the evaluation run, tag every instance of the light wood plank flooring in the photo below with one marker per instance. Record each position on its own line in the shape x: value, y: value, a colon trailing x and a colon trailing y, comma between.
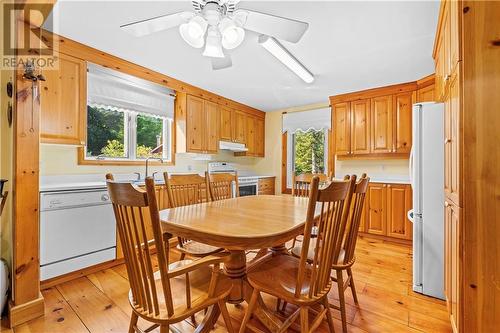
x: 98, y: 303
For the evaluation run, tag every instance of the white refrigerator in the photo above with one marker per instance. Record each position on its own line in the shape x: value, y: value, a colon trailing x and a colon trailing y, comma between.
x: 427, y: 182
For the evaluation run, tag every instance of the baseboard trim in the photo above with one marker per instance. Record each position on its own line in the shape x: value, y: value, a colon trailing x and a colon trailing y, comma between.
x: 19, y: 314
x: 45, y: 284
x: 386, y: 238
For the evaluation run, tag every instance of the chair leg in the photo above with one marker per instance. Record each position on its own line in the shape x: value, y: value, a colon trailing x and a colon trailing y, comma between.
x: 329, y: 316
x: 340, y: 284
x: 226, y: 316
x: 183, y: 255
x: 278, y: 304
x: 164, y: 328
x: 351, y: 284
x: 304, y: 319
x: 248, y: 313
x: 283, y: 308
x: 133, y: 322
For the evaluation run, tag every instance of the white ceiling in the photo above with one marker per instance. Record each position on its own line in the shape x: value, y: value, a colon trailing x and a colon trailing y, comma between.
x: 349, y: 46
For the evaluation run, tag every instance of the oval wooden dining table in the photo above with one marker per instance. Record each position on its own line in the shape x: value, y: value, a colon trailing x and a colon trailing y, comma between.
x: 237, y: 225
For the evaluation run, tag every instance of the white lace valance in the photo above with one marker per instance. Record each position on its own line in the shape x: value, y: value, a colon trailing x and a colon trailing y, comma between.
x: 319, y: 119
x: 118, y: 91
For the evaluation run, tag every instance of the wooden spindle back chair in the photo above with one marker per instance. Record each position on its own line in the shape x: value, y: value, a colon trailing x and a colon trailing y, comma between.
x: 300, y: 188
x: 302, y: 183
x: 300, y: 281
x: 185, y: 190
x: 151, y: 293
x: 356, y: 210
x: 347, y: 259
x: 223, y: 186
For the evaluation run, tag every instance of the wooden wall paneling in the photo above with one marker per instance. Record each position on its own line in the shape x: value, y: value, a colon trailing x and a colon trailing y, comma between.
x: 84, y: 52
x: 479, y: 158
x: 341, y: 116
x: 402, y: 140
x: 381, y: 124
x: 64, y: 102
x: 360, y: 127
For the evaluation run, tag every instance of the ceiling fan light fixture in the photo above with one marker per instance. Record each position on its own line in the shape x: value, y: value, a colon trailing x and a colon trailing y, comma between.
x: 277, y: 50
x: 213, y: 46
x: 193, y: 32
x: 232, y: 34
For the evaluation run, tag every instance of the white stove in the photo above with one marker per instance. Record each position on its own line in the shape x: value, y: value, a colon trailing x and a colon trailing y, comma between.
x: 247, y: 185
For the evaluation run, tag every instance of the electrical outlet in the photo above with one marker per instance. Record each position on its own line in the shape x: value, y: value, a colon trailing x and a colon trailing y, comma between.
x: 190, y: 168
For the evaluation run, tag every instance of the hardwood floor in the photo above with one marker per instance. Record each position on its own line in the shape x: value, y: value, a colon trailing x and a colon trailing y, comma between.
x: 98, y: 303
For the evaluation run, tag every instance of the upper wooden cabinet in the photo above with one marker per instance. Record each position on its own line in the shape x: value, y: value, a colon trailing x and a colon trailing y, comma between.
x: 202, y: 125
x: 260, y: 135
x: 382, y: 125
x: 375, y: 123
x: 447, y: 47
x: 360, y: 129
x: 63, y: 100
x: 240, y: 127
x: 402, y: 126
x: 226, y: 124
x: 342, y: 124
x: 426, y: 89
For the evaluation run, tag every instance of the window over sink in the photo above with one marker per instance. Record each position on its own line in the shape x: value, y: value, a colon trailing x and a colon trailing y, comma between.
x: 128, y: 119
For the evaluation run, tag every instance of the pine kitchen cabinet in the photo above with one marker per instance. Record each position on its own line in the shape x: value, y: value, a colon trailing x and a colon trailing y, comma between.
x: 201, y: 125
x: 385, y: 211
x: 63, y: 99
x: 375, y: 123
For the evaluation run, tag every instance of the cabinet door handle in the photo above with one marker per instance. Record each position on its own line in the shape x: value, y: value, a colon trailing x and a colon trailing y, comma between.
x: 446, y: 204
x: 447, y: 140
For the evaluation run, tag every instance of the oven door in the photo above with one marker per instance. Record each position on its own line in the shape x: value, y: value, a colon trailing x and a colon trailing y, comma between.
x: 248, y: 189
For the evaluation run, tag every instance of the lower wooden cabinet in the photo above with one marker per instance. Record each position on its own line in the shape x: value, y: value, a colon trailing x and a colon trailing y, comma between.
x: 385, y: 211
x: 266, y: 186
x: 452, y: 262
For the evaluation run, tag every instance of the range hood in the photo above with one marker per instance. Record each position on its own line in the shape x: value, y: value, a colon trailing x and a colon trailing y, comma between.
x: 232, y: 146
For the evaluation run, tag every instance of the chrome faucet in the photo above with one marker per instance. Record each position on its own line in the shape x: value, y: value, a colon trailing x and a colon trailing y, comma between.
x: 147, y: 161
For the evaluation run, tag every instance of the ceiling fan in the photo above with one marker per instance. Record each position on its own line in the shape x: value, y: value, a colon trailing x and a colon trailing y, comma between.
x: 218, y: 25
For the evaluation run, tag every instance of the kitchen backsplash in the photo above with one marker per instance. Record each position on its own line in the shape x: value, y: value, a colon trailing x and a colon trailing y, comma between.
x: 61, y: 160
x: 376, y: 169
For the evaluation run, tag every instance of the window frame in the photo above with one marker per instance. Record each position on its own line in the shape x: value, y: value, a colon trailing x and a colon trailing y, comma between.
x: 130, y: 143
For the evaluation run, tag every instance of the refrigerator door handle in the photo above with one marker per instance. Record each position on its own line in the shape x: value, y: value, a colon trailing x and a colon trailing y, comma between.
x: 411, y: 168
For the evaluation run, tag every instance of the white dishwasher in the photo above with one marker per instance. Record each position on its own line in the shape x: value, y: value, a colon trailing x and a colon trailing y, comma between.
x: 77, y: 230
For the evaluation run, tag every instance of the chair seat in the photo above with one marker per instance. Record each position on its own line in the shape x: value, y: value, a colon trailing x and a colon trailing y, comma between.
x: 296, y: 251
x: 278, y: 277
x: 199, y: 281
x: 197, y: 249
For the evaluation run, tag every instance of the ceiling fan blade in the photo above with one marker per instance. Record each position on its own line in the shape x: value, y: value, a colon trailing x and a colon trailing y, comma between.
x: 271, y: 25
x: 221, y: 63
x: 159, y: 23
